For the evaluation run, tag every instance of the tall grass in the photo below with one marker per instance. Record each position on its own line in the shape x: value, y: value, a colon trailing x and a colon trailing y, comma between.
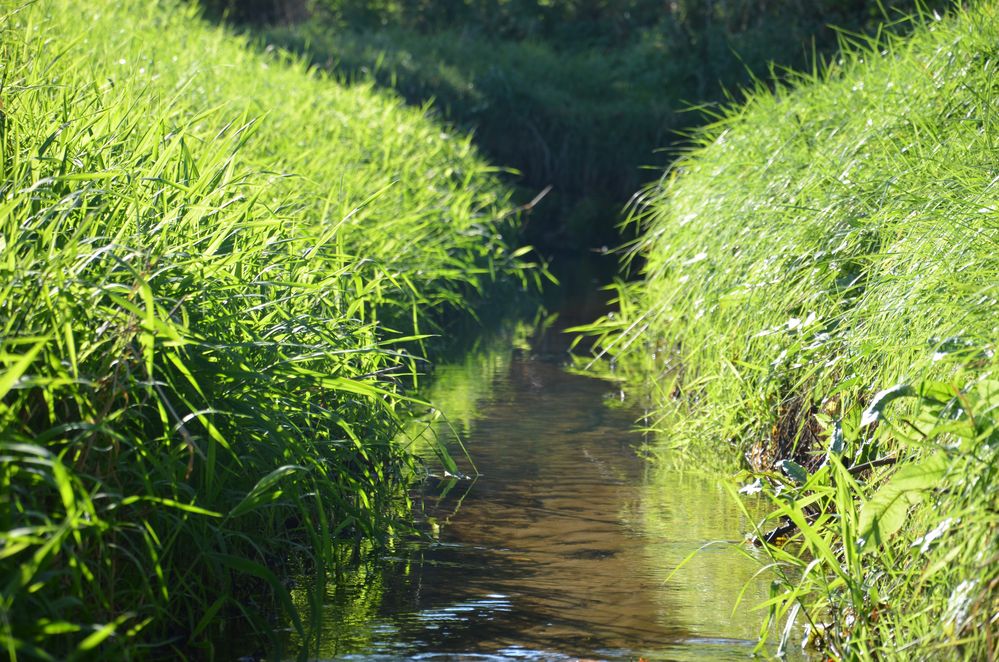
x: 213, y: 268
x: 591, y: 99
x: 820, y: 244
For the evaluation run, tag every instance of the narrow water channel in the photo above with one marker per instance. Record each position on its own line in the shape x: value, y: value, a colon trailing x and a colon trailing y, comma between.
x: 561, y: 547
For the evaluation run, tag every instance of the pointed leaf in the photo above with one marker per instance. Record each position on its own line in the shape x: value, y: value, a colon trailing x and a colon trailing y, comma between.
x: 260, y: 491
x: 14, y: 372
x: 881, y: 400
x: 795, y: 471
x: 885, y: 512
x: 837, y: 441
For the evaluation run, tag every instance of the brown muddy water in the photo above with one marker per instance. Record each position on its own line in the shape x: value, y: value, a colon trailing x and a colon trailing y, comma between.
x: 561, y: 546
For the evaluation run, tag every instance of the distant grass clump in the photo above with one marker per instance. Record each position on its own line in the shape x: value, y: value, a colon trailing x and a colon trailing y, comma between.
x: 820, y: 296
x: 583, y: 120
x: 213, y: 265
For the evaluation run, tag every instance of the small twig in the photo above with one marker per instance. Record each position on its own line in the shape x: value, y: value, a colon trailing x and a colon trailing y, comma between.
x: 770, y: 536
x: 530, y: 205
x: 880, y: 462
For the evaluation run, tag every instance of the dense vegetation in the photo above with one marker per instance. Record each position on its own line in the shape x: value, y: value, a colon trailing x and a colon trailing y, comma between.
x: 820, y: 295
x: 214, y: 267
x: 588, y: 96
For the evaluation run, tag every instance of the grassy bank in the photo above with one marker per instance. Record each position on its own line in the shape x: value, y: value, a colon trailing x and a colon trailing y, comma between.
x: 213, y: 267
x: 589, y: 98
x: 820, y: 297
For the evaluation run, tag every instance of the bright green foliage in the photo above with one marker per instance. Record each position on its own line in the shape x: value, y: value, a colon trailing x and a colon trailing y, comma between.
x: 885, y: 513
x: 822, y: 243
x: 209, y: 261
x: 904, y: 567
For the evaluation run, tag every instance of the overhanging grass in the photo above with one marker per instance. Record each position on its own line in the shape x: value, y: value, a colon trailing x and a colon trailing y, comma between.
x: 821, y: 243
x: 210, y: 263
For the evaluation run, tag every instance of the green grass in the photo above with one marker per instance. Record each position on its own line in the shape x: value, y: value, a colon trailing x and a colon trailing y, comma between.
x: 583, y: 121
x: 821, y: 243
x: 214, y: 268
x: 593, y: 105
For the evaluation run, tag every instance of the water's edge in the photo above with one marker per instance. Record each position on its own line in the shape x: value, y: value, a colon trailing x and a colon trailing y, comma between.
x: 560, y: 548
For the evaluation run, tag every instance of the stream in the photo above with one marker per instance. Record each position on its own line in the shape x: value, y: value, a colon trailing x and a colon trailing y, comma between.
x: 561, y: 547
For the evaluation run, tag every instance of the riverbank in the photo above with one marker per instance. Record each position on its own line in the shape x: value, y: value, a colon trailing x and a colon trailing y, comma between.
x: 820, y: 297
x: 215, y: 269
x: 589, y: 99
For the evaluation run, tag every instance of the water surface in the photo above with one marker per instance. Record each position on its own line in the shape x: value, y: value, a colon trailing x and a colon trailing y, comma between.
x: 561, y: 546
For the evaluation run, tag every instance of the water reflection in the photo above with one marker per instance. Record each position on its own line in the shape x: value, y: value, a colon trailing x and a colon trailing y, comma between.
x: 561, y: 547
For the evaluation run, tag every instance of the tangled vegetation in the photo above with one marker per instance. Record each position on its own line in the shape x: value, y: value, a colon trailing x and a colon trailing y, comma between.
x: 820, y: 296
x: 214, y: 268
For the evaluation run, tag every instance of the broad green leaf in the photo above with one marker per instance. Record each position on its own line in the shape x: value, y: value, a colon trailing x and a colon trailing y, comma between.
x: 59, y: 627
x: 170, y: 503
x: 795, y: 471
x: 14, y: 372
x: 881, y: 400
x: 209, y: 615
x: 940, y: 392
x: 885, y: 512
x: 97, y: 637
x: 523, y: 250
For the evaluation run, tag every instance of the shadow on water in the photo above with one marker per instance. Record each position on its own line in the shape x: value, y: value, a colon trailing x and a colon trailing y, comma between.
x: 561, y: 547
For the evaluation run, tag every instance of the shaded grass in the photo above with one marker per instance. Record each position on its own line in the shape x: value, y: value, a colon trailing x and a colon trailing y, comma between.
x: 214, y: 267
x: 593, y: 103
x: 821, y: 243
x: 583, y: 121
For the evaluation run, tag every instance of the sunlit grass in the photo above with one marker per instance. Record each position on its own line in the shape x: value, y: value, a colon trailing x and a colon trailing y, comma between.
x: 213, y: 267
x: 818, y: 245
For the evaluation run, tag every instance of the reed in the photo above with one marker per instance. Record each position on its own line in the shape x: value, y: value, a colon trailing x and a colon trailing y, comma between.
x: 215, y: 269
x: 819, y: 301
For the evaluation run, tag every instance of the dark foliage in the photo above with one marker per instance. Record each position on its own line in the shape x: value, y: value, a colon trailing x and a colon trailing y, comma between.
x: 592, y: 97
